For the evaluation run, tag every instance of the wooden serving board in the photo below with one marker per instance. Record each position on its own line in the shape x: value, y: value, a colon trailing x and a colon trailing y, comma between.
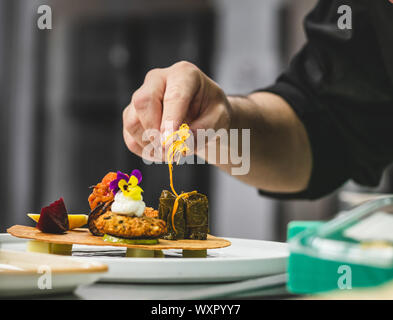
x: 84, y: 237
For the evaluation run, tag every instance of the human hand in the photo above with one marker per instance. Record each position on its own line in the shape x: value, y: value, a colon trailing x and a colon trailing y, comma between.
x: 169, y: 97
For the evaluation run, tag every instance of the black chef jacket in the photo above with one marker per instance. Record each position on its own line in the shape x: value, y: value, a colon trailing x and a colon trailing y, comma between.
x: 341, y: 87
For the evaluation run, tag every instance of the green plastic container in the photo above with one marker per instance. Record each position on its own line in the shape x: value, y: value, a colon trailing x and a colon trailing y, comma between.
x: 323, y: 258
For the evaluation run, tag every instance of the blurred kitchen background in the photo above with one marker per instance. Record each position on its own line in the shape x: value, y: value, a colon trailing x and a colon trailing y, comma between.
x: 62, y: 92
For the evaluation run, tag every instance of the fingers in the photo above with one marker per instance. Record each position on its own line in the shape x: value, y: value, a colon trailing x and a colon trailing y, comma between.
x: 144, y: 113
x: 145, y: 110
x: 131, y: 143
x: 135, y: 137
x: 217, y: 117
x: 147, y: 100
x: 182, y: 86
x: 214, y: 108
x: 167, y: 98
x: 132, y: 124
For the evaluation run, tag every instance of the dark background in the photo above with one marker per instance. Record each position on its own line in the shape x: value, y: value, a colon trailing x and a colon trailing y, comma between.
x: 62, y: 92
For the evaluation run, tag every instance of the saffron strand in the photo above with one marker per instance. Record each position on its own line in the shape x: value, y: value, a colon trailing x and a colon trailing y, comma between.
x: 177, y: 147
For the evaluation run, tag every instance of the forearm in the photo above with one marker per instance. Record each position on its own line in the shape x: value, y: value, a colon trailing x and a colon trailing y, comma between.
x: 280, y: 155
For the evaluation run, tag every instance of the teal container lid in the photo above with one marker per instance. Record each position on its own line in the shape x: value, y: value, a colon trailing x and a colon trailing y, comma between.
x: 295, y: 227
x: 322, y: 258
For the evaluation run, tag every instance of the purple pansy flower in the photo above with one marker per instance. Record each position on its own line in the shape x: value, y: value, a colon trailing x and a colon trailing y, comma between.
x: 114, y: 185
x: 137, y: 175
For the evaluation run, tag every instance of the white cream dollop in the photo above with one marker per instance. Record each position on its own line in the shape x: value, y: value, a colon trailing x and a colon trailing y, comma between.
x: 127, y: 206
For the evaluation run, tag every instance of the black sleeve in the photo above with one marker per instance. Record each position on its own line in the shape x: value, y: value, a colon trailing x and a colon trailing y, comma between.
x: 339, y: 87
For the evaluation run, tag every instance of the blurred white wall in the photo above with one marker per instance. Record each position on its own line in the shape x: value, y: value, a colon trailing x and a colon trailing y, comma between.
x: 246, y: 59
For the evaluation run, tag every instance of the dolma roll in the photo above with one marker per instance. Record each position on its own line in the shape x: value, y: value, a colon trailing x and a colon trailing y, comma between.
x: 197, y: 216
x: 165, y: 207
x: 191, y: 218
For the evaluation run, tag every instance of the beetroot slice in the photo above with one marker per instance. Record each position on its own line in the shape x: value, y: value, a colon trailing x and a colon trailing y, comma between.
x: 54, y: 218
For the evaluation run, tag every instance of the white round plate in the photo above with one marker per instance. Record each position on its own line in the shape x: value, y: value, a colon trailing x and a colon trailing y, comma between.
x: 244, y: 259
x: 28, y: 273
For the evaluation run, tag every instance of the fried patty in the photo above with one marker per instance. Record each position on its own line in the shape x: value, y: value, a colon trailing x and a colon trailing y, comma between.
x: 150, y: 212
x: 130, y: 227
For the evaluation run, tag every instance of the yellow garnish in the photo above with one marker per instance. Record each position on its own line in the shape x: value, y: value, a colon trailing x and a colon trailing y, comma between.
x: 178, y: 147
x: 131, y: 189
x: 74, y: 220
